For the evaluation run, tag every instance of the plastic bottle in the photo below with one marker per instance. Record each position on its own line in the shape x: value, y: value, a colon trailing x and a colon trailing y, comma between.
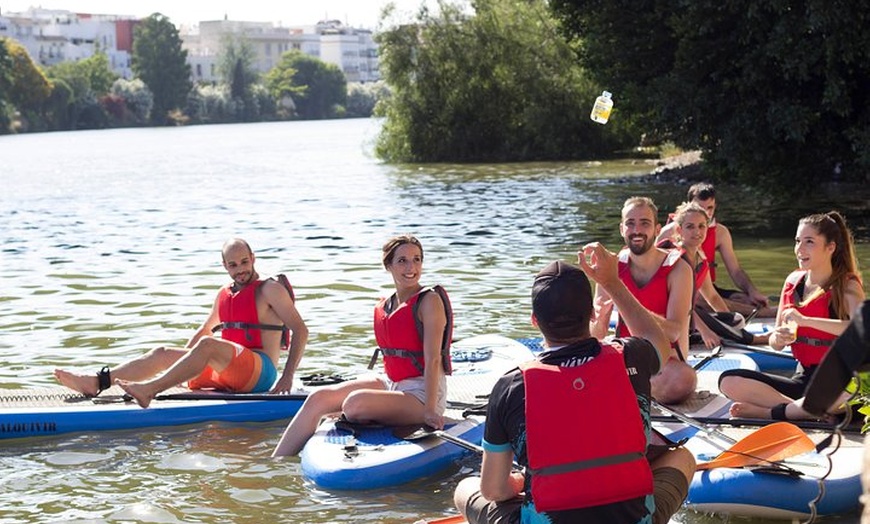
x: 601, y: 109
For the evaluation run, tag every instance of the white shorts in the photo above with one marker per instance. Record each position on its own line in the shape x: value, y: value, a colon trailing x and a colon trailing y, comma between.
x: 416, y: 386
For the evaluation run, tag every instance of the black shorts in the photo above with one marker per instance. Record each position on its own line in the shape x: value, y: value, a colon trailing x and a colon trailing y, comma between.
x: 792, y: 387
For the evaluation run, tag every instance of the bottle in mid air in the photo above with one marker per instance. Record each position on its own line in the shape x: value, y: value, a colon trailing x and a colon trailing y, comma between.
x: 601, y: 109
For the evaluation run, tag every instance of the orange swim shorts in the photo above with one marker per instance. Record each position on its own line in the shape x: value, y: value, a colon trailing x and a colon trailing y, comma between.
x: 249, y: 372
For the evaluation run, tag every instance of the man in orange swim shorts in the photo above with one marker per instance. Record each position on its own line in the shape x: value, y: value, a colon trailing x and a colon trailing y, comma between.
x: 255, y: 319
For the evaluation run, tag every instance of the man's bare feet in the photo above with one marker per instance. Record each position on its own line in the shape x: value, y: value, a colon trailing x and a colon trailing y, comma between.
x: 141, y: 392
x: 84, y: 384
x: 747, y: 410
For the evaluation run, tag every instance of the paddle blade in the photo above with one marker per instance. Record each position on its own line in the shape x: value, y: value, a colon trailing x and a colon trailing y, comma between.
x: 771, y: 443
x: 457, y: 519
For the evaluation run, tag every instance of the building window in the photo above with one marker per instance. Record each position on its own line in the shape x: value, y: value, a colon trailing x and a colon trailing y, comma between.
x: 199, y: 70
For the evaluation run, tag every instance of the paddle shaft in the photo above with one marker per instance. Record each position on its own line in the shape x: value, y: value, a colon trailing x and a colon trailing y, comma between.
x: 694, y: 423
x: 755, y: 349
x: 443, y: 435
x: 738, y: 422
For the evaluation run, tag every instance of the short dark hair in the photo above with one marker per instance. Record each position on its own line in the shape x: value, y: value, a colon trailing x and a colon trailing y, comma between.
x: 562, y: 302
x: 701, y: 191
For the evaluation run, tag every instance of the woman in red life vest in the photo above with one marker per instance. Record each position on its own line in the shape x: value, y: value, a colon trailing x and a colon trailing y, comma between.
x: 413, y: 329
x: 817, y: 301
x: 692, y: 229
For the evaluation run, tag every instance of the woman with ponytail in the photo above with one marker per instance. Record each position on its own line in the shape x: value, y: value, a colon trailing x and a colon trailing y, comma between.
x: 816, y: 304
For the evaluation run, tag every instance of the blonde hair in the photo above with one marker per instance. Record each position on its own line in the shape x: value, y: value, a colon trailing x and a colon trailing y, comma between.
x: 683, y: 210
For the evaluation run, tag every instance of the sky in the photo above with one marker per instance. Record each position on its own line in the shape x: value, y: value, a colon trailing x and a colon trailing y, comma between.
x: 355, y: 13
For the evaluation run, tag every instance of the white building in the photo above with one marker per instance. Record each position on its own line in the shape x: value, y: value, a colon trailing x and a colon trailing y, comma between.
x: 351, y: 50
x: 52, y: 36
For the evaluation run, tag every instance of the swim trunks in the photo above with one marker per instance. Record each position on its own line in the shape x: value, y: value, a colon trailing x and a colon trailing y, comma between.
x: 249, y: 372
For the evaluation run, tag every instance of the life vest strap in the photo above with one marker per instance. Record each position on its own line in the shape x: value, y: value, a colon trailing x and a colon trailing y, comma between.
x: 816, y: 342
x: 588, y: 464
x: 414, y: 356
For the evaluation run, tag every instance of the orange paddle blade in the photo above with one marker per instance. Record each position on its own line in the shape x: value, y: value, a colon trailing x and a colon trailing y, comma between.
x: 457, y: 519
x: 771, y: 443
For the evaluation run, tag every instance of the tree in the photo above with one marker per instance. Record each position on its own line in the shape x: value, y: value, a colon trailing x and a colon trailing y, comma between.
x: 160, y: 62
x: 84, y: 83
x: 773, y: 92
x: 137, y: 98
x: 5, y: 87
x: 26, y: 87
x: 236, y: 65
x: 362, y: 98
x: 499, y: 85
x: 318, y: 89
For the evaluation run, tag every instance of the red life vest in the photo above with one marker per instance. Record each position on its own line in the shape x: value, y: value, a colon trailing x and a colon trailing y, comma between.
x: 654, y: 294
x: 700, y: 266
x: 399, y: 334
x: 811, y: 344
x: 709, y: 248
x: 240, y: 322
x: 572, y: 464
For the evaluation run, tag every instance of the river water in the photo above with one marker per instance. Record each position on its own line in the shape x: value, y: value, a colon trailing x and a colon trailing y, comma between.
x: 112, y: 246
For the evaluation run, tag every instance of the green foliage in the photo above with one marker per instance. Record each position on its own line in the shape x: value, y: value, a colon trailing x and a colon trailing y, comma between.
x: 362, y: 98
x: 5, y: 87
x: 137, y: 98
x: 28, y: 87
x: 773, y: 92
x: 160, y: 62
x: 236, y: 65
x: 317, y: 89
x: 501, y: 85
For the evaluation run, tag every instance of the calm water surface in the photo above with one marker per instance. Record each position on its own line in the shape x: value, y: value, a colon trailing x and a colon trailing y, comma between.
x: 111, y: 246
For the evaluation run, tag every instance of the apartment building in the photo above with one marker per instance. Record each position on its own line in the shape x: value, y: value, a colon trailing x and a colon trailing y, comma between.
x: 52, y: 36
x: 351, y: 50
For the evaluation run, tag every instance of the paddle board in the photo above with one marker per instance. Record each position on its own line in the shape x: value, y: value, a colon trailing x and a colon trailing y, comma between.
x: 366, y: 457
x: 28, y: 413
x: 766, y: 493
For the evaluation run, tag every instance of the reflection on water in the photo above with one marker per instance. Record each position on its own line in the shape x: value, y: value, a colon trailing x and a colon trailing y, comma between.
x: 112, y: 247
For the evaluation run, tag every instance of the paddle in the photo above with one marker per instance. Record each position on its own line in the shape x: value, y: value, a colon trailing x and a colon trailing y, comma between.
x: 413, y: 433
x: 713, y: 354
x: 454, y: 519
x: 768, y: 444
x: 738, y: 422
x: 756, y: 349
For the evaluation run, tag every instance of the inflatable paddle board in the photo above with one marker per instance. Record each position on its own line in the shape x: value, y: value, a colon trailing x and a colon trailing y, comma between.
x: 55, y: 411
x: 340, y: 456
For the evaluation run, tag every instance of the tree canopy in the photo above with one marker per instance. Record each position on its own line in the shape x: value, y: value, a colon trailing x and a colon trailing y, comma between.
x: 318, y: 89
x: 160, y: 62
x: 498, y: 85
x: 773, y: 92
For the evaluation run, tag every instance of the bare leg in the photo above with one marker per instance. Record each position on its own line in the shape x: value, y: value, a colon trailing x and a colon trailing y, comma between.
x: 208, y: 351
x: 320, y: 403
x: 144, y: 367
x: 740, y: 389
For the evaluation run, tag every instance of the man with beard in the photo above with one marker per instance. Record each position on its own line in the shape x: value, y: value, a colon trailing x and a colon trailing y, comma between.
x: 255, y: 318
x: 660, y: 280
